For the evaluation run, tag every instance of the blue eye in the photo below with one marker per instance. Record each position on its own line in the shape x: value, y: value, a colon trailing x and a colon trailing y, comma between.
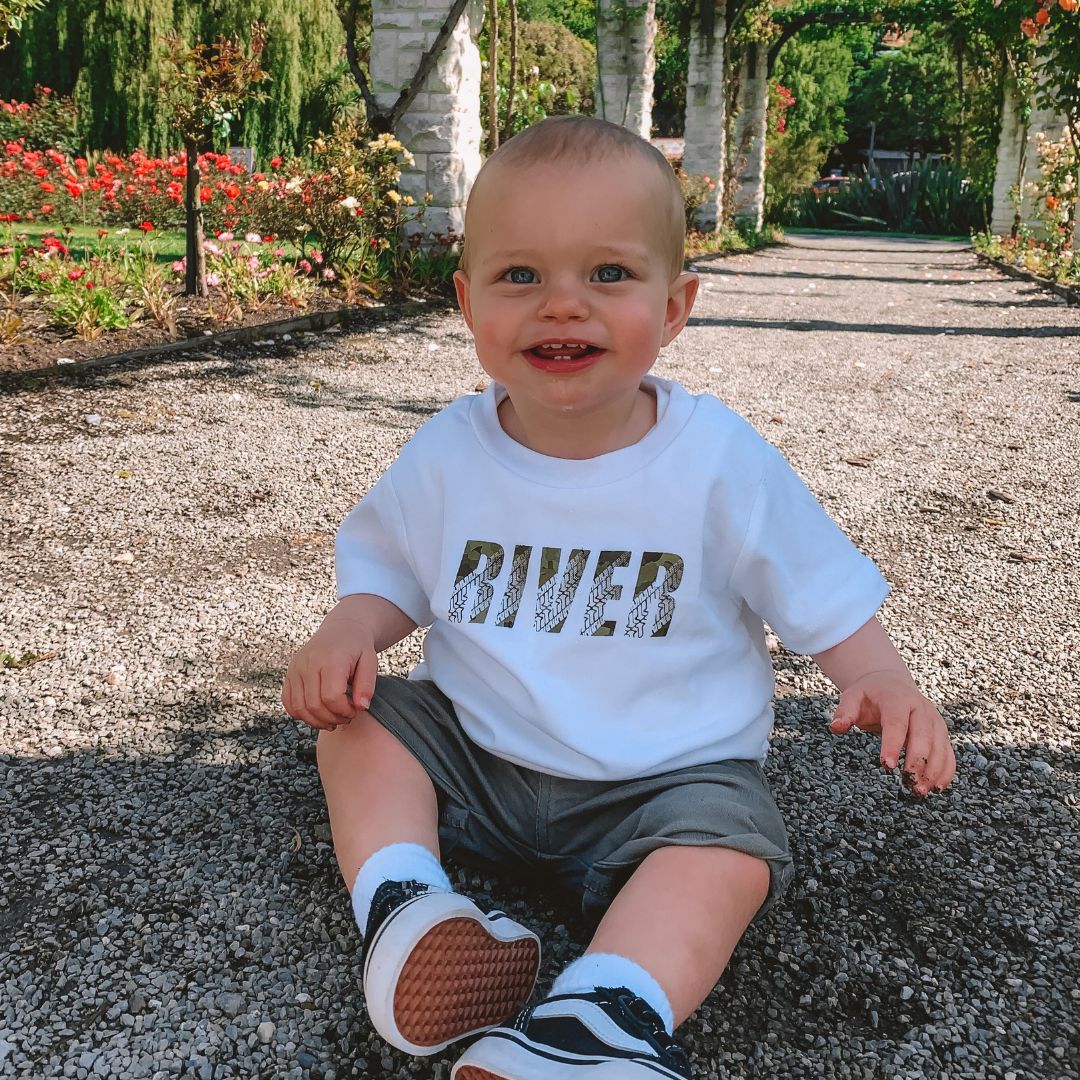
x: 520, y: 275
x: 610, y: 274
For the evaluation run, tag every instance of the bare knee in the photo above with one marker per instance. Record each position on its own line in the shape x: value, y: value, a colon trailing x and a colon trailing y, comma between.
x: 699, y: 866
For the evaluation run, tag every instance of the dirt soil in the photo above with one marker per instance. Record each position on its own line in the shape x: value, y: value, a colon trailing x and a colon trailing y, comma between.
x: 43, y: 345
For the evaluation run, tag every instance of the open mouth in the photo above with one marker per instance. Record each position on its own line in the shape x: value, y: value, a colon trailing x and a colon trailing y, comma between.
x: 563, y: 351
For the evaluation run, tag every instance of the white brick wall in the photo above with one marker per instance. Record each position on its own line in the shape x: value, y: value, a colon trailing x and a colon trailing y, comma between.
x: 442, y: 127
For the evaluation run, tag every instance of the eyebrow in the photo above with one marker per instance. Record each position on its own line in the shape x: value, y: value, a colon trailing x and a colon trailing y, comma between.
x: 617, y: 250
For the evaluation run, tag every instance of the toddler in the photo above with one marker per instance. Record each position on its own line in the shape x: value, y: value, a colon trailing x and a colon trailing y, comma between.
x: 594, y: 551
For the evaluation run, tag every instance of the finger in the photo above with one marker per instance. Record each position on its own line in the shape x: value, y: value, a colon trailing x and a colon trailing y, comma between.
x: 333, y: 684
x: 363, y: 678
x: 920, y: 743
x: 942, y: 765
x: 894, y: 734
x: 292, y: 700
x: 937, y: 768
x: 313, y: 711
x: 847, y: 712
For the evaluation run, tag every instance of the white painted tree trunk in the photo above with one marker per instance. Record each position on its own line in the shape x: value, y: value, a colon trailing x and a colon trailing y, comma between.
x: 748, y: 151
x: 706, y: 122
x: 626, y: 62
x: 1018, y: 160
x: 442, y: 127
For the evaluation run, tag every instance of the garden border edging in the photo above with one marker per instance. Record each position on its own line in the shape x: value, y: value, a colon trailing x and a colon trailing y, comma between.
x: 1070, y: 295
x: 244, y: 335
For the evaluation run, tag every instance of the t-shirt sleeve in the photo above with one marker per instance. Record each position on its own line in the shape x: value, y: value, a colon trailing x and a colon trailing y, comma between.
x: 372, y: 553
x: 798, y: 570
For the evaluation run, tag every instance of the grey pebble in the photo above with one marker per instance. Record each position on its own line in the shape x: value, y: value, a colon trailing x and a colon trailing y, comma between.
x: 231, y: 1004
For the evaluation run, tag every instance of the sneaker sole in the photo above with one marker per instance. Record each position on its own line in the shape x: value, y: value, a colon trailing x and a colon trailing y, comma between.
x: 441, y: 970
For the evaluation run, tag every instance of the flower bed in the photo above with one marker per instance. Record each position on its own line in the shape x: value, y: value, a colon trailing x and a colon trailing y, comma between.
x: 321, y: 231
x: 1033, y: 257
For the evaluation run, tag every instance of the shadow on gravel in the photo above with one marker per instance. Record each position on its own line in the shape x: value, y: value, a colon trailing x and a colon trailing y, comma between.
x: 856, y: 257
x: 195, y: 885
x: 1031, y: 298
x: 829, y: 326
x: 713, y: 271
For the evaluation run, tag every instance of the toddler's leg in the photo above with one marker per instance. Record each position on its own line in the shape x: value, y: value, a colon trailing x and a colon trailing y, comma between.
x: 680, y: 917
x: 660, y: 948
x: 435, y: 967
x: 377, y: 794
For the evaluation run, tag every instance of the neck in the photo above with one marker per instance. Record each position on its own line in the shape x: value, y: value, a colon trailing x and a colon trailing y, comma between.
x: 576, y: 436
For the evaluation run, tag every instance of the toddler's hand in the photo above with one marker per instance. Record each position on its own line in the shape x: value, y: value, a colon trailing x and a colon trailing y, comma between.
x: 890, y: 704
x: 316, y: 685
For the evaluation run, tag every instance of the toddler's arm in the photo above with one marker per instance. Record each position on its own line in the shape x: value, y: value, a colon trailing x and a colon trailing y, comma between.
x: 878, y: 694
x: 343, y: 650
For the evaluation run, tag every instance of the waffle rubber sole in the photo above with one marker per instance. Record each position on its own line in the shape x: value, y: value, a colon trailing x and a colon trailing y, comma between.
x: 441, y: 970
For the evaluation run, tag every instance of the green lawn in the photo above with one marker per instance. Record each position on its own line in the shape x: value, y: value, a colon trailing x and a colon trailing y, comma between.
x: 167, y: 245
x: 83, y: 241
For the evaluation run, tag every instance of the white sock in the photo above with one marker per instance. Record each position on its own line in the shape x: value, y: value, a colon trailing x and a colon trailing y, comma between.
x: 608, y: 969
x: 395, y: 862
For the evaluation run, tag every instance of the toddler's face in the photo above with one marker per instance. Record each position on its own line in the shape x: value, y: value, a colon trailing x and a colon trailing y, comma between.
x: 569, y: 292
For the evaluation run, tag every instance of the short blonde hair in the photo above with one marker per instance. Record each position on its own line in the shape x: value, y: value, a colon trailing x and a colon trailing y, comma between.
x: 580, y: 140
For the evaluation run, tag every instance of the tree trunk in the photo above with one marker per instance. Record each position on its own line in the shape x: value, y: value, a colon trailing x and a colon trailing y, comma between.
x: 507, y: 132
x: 961, y: 123
x: 493, y: 76
x: 195, y: 276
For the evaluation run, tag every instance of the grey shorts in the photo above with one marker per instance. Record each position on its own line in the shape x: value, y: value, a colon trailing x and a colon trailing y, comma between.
x: 586, y: 835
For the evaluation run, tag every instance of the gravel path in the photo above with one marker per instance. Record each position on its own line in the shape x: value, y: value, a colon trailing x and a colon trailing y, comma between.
x: 170, y: 906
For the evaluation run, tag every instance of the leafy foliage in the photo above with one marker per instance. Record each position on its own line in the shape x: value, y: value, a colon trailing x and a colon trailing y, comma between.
x: 550, y: 52
x: 929, y: 199
x: 49, y: 121
x: 109, y: 57
x: 578, y: 16
x: 206, y: 84
x: 344, y: 193
x: 12, y: 13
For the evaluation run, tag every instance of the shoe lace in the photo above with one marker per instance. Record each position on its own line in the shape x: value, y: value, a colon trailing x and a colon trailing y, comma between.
x: 647, y: 1021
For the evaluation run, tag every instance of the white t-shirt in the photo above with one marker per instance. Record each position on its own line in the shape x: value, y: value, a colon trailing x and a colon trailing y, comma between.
x: 602, y: 618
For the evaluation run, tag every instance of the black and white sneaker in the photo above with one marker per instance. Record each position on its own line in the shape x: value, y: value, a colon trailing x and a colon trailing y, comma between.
x: 607, y: 1034
x: 437, y: 969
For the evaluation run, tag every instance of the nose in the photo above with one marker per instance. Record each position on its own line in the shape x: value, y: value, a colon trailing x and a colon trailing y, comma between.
x: 563, y: 300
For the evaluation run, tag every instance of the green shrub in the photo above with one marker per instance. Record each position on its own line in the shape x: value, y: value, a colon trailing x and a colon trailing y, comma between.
x: 47, y: 122
x: 550, y: 52
x: 695, y: 190
x: 935, y: 199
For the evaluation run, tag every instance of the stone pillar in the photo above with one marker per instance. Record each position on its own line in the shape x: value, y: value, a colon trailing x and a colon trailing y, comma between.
x: 706, y: 124
x: 442, y: 127
x: 626, y: 62
x: 1018, y: 149
x: 748, y: 152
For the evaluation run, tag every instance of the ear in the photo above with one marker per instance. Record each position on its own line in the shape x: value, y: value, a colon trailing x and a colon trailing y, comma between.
x: 461, y: 287
x: 679, y: 305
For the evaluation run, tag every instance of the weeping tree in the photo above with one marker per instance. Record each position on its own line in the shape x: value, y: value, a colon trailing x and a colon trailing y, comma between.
x: 109, y: 56
x: 207, y: 85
